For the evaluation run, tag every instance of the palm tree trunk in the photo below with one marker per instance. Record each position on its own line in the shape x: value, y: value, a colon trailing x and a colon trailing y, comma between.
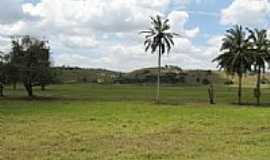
x: 258, y: 92
x: 158, y: 75
x: 240, y: 89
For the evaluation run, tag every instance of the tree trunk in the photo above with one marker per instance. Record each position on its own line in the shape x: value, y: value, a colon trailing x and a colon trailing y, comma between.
x: 1, y: 90
x: 240, y: 89
x: 258, y: 91
x: 14, y: 86
x: 158, y: 75
x: 43, y: 88
x: 29, y: 89
x: 211, y: 94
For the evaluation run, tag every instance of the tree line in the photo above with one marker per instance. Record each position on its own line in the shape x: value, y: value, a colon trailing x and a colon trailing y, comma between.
x: 28, y: 63
x: 242, y: 51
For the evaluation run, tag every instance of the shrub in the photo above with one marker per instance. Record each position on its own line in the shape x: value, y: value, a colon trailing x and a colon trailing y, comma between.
x: 228, y: 82
x: 209, y: 72
x: 265, y: 81
x: 182, y: 79
x: 205, y: 81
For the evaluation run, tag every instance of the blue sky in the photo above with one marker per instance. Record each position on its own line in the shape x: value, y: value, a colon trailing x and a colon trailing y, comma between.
x: 104, y: 33
x: 206, y: 15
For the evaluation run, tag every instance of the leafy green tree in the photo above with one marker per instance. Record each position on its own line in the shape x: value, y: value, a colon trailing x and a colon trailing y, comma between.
x: 159, y: 37
x: 235, y: 57
x: 12, y: 75
x: 31, y: 57
x: 47, y: 76
x: 261, y: 56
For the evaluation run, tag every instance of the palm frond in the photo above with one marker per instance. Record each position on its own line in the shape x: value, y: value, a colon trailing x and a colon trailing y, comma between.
x: 158, y: 36
x: 235, y: 57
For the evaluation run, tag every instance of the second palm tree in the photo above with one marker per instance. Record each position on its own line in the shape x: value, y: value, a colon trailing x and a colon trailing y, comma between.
x: 236, y: 57
x: 261, y: 56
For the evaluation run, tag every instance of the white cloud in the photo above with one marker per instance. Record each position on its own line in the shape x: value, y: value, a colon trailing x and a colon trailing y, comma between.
x: 78, y: 41
x: 4, y: 44
x: 178, y: 20
x: 104, y: 16
x: 191, y: 56
x: 251, y: 12
x: 104, y: 33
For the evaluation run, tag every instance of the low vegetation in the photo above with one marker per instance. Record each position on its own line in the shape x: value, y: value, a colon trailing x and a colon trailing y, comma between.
x: 92, y: 121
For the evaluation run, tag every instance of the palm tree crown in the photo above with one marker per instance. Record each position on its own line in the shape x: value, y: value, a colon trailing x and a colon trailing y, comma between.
x: 158, y: 36
x: 236, y: 57
x: 260, y: 48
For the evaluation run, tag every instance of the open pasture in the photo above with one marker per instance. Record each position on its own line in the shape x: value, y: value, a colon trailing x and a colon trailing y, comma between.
x: 120, y: 122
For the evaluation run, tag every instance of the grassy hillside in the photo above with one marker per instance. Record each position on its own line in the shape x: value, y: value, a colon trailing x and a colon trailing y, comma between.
x: 178, y: 76
x: 82, y: 75
x: 174, y: 75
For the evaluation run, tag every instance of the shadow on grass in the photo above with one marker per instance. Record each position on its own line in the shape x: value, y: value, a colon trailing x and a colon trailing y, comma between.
x: 252, y: 104
x: 162, y: 102
x: 68, y: 98
x: 168, y: 102
x: 34, y: 98
x: 39, y: 98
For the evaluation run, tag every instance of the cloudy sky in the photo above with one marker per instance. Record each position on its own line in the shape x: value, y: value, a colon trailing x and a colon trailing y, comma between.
x: 104, y: 33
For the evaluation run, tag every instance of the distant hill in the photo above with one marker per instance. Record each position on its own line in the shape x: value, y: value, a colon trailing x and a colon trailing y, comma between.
x: 172, y: 75
x: 169, y: 75
x: 84, y: 75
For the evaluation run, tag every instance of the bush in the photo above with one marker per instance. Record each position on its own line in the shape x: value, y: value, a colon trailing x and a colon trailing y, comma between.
x: 229, y: 82
x: 209, y: 72
x: 146, y: 72
x: 182, y: 79
x: 265, y: 81
x: 205, y: 81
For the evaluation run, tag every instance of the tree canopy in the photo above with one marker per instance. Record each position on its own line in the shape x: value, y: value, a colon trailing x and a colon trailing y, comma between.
x: 30, y: 57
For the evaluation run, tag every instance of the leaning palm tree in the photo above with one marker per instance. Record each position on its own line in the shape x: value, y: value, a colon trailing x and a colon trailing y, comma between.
x: 261, y: 56
x: 159, y: 37
x: 236, y: 58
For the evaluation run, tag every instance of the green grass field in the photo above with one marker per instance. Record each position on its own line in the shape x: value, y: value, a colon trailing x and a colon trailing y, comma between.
x: 121, y: 122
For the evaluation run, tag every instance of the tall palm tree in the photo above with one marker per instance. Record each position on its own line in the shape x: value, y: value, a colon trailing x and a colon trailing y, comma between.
x: 159, y: 37
x: 261, y: 55
x: 236, y: 58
